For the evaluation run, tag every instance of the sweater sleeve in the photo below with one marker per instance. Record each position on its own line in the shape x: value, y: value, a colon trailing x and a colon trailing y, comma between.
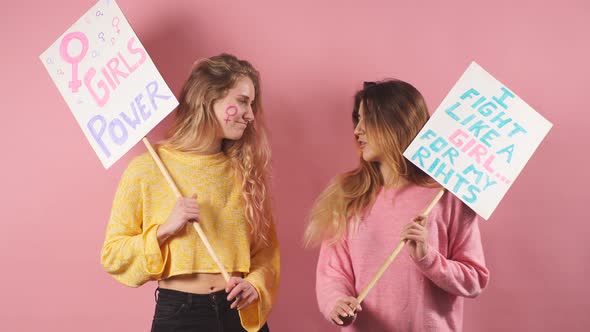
x: 463, y: 272
x: 264, y: 275
x: 131, y: 253
x: 334, y: 275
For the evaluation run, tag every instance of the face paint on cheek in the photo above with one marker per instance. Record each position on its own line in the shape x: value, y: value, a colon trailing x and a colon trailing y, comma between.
x: 230, y: 113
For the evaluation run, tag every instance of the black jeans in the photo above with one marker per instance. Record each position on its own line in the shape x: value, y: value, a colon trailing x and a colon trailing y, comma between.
x: 186, y: 312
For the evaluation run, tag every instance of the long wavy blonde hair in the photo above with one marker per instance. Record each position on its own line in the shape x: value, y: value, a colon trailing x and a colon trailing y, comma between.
x: 195, y: 129
x: 394, y: 113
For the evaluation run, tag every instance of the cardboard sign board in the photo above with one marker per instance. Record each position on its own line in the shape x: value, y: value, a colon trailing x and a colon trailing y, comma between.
x: 478, y: 140
x: 108, y: 81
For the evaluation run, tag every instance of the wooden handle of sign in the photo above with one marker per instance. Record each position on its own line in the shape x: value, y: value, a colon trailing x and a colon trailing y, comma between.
x: 397, y: 250
x: 178, y: 195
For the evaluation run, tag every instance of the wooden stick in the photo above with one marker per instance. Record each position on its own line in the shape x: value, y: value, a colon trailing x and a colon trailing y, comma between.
x: 178, y: 195
x: 397, y: 249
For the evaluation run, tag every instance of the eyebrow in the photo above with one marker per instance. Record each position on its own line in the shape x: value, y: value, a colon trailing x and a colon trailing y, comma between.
x: 245, y: 96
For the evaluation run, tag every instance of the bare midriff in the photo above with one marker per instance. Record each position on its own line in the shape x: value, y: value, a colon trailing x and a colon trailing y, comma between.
x: 197, y: 283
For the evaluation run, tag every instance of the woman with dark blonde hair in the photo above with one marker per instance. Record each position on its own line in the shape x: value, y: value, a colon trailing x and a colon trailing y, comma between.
x: 219, y: 157
x: 362, y: 214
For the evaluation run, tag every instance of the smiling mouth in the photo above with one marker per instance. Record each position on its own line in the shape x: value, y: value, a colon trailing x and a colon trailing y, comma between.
x: 362, y: 144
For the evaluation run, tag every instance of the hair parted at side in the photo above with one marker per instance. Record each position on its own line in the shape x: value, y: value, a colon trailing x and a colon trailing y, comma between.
x: 394, y: 113
x: 195, y: 129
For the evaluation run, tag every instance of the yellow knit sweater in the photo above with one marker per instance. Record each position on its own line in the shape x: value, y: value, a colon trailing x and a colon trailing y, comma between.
x: 144, y: 200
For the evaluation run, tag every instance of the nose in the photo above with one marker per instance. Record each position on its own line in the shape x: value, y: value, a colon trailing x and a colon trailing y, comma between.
x: 249, y: 115
x: 359, y: 129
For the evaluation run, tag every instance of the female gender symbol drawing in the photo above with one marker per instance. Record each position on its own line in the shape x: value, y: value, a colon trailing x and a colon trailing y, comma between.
x: 75, y: 83
x: 115, y: 24
x: 227, y: 112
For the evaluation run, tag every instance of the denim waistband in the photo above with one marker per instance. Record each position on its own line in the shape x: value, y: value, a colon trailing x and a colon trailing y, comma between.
x: 219, y: 297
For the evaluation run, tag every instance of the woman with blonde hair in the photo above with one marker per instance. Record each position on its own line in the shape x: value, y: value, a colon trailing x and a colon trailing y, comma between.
x: 219, y: 157
x: 362, y: 215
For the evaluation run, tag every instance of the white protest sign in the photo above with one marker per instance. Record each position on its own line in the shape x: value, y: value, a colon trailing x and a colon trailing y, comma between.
x: 478, y: 140
x: 108, y: 81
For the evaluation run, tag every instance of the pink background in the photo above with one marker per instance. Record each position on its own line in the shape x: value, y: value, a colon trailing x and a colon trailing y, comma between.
x: 312, y: 55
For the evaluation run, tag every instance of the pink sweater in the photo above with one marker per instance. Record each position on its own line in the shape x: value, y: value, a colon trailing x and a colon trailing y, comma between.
x: 424, y: 295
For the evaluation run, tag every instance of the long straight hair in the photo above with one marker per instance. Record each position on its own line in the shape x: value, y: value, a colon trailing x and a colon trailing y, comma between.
x: 395, y: 112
